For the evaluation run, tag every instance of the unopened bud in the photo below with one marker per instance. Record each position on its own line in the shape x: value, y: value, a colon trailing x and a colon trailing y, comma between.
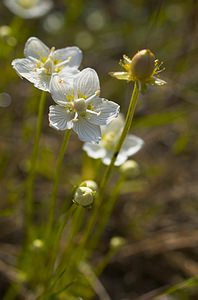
x: 37, y: 244
x: 84, y: 196
x: 116, y: 242
x: 142, y: 65
x: 90, y: 184
x: 130, y: 169
x: 5, y: 31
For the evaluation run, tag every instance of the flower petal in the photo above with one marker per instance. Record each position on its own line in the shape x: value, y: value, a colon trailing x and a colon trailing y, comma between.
x: 120, y: 75
x: 24, y: 68
x: 61, y: 91
x: 60, y: 118
x: 158, y: 81
x: 131, y: 145
x: 107, y: 111
x: 94, y: 150
x: 35, y: 48
x: 116, y: 126
x: 68, y: 72
x: 121, y: 158
x: 38, y: 9
x: 74, y: 54
x: 87, y: 83
x: 87, y: 132
x: 42, y: 81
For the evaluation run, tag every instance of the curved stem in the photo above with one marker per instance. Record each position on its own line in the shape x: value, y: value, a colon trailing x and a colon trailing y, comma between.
x: 33, y: 160
x: 109, y: 169
x: 128, y: 121
x: 107, y: 211
x: 52, y: 205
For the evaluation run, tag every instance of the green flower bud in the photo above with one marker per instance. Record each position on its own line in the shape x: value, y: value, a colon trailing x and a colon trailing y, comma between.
x: 37, y: 244
x: 142, y: 65
x: 130, y: 169
x: 90, y: 184
x: 5, y: 31
x: 84, y: 196
x: 116, y: 242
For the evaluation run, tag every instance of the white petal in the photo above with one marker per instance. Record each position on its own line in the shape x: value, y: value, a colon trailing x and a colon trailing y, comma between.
x: 74, y: 54
x: 116, y: 126
x: 42, y: 81
x: 61, y: 91
x: 25, y: 68
x: 60, y: 118
x: 107, y: 158
x: 131, y: 145
x: 158, y: 81
x: 38, y: 9
x: 121, y: 158
x: 35, y: 48
x: 68, y: 73
x: 87, y: 83
x: 94, y: 150
x: 86, y: 131
x: 107, y: 111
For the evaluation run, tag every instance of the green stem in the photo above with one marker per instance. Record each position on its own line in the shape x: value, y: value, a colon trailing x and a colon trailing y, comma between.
x: 99, y: 200
x: 33, y: 160
x: 107, y: 210
x: 55, y: 241
x: 52, y: 205
x: 128, y: 121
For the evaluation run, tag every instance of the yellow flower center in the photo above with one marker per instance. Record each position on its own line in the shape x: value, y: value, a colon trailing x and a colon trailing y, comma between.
x: 27, y: 3
x: 109, y: 140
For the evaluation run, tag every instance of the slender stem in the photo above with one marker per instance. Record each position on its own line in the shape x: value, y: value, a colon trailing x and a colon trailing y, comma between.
x: 109, y: 169
x: 128, y: 121
x: 52, y: 205
x: 55, y: 240
x: 33, y: 160
x: 107, y: 210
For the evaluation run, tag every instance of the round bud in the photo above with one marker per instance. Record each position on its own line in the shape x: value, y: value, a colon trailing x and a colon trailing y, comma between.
x: 37, y: 244
x: 116, y: 242
x: 90, y: 184
x: 142, y: 65
x: 80, y: 105
x: 5, y: 31
x: 130, y: 169
x: 84, y: 196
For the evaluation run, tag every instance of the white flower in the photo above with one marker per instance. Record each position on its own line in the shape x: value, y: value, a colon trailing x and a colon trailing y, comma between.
x: 28, y: 9
x: 110, y: 136
x: 40, y: 62
x: 79, y: 106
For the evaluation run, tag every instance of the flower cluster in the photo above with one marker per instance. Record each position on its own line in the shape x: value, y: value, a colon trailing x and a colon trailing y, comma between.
x: 76, y: 93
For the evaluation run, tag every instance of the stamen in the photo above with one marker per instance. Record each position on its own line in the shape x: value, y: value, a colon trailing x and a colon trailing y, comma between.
x: 97, y: 93
x: 64, y: 62
x: 93, y: 112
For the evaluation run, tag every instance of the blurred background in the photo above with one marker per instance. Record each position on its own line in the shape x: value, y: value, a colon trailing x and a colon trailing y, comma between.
x: 156, y: 213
